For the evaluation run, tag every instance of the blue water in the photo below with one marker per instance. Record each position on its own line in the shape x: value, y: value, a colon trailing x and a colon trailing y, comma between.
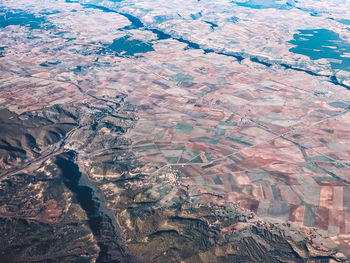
x: 161, y: 18
x: 2, y: 51
x: 48, y: 63
x: 344, y: 21
x: 212, y: 25
x: 263, y: 4
x: 322, y: 43
x: 48, y: 12
x: 315, y: 14
x: 21, y: 18
x: 196, y: 15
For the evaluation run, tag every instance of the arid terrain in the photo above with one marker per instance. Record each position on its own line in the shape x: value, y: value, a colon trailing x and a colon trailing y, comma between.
x: 185, y: 131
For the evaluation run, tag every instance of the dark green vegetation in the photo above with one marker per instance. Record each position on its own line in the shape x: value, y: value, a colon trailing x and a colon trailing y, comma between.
x: 238, y: 141
x: 322, y: 43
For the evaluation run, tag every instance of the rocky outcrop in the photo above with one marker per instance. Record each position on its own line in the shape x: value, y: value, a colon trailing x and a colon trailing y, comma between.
x: 85, y: 197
